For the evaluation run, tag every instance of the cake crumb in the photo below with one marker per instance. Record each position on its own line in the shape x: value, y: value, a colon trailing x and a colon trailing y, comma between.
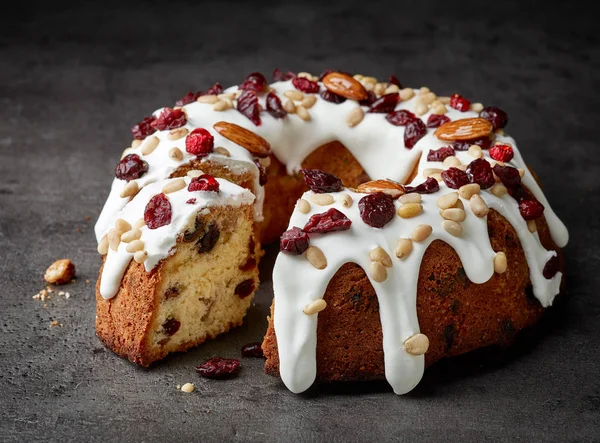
x: 178, y: 387
x: 87, y: 282
x: 54, y: 323
x: 88, y: 218
x: 60, y: 272
x: 67, y: 295
x: 188, y: 387
x: 42, y: 295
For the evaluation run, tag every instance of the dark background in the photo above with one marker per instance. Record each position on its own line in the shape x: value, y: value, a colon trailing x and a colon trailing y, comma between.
x: 73, y: 79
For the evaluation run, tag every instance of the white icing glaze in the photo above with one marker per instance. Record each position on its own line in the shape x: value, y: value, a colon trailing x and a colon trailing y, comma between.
x: 159, y: 243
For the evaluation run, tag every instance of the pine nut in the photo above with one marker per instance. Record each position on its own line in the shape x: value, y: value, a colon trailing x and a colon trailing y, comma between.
x: 193, y: 173
x: 478, y: 206
x: 174, y: 186
x: 459, y: 204
x: 345, y: 200
x: 444, y: 100
x: 428, y: 98
x: 221, y: 150
x: 476, y: 107
x: 475, y: 151
x: 447, y: 200
x: 315, y: 307
x: 358, y: 77
x: 210, y: 99
x: 132, y: 234
x: 467, y: 191
x: 136, y: 143
x: 134, y: 246
x: 439, y: 109
x: 309, y: 101
x: 369, y: 79
x: 498, y: 190
x: 404, y: 248
x: 355, y: 116
x: 307, y: 75
x: 316, y: 257
x: 462, y: 167
x: 521, y: 172
x: 140, y: 256
x: 452, y: 227
x: 114, y: 238
x: 188, y: 388
x: 391, y: 89
x: 294, y: 95
x: 130, y: 189
x: 321, y: 199
x: 500, y: 263
x: 410, y: 210
x: 437, y: 177
x: 175, y: 154
x: 428, y: 172
x: 289, y: 107
x: 377, y: 271
x: 226, y: 96
x: 531, y: 226
x: 140, y: 223
x: 421, y: 108
x: 451, y: 161
x: 412, y: 197
x: 230, y: 104
x: 454, y: 214
x: 103, y: 246
x: 303, y: 206
x: 379, y: 89
x: 150, y: 145
x: 407, y: 94
x: 379, y: 254
x: 418, y: 344
x: 423, y: 90
x: 303, y: 113
x: 122, y: 225
x: 421, y: 232
x: 176, y: 134
x: 220, y: 106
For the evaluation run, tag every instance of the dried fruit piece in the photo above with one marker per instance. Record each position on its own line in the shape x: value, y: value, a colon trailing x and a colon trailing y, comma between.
x: 60, y: 272
x: 321, y: 182
x: 218, y: 367
x: 531, y: 209
x: 143, y: 128
x: 215, y: 89
x: 199, y: 142
x: 262, y: 173
x: 385, y: 104
x: 517, y: 192
x: 171, y: 326
x: 188, y: 98
x: 464, y: 129
x: 329, y: 96
x: 254, y: 82
x: 482, y: 142
x: 332, y: 220
x: 415, y: 131
x: 435, y: 120
x: 294, y: 241
x: 274, y: 106
x: 130, y: 167
x: 209, y: 239
x: 455, y: 178
x: 169, y: 119
x: 508, y: 175
x: 280, y: 76
x: 205, y: 182
x: 459, y: 103
x: 305, y: 85
x: 502, y: 153
x: 496, y: 116
x: 245, y: 288
x: 254, y: 143
x: 247, y: 104
x: 438, y: 155
x: 345, y: 85
x: 551, y: 267
x: 393, y: 80
x: 376, y: 209
x: 479, y: 171
x: 429, y: 186
x: 253, y: 350
x: 386, y: 186
x: 400, y: 118
x: 371, y: 97
x: 158, y: 212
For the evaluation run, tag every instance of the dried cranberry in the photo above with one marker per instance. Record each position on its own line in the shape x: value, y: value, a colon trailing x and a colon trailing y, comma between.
x: 274, y: 106
x: 215, y: 89
x: 326, y: 72
x: 502, y: 153
x: 143, y: 128
x: 218, y: 367
x: 171, y: 326
x: 385, y: 104
x: 435, y: 120
x: 209, y: 239
x: 254, y: 82
x: 172, y: 292
x: 439, y: 155
x: 483, y: 143
x: 496, y: 116
x: 332, y: 97
x: 191, y: 201
x: 531, y: 209
x: 279, y: 76
x: 158, y: 212
x: 321, y: 182
x: 262, y: 173
x: 188, y: 98
x: 169, y: 119
x: 330, y: 221
x: 479, y: 171
x: 429, y: 186
x: 248, y: 105
x: 130, y: 167
x: 455, y: 178
x: 199, y: 142
x: 460, y: 103
x: 551, y: 268
x: 415, y: 131
x: 205, y: 182
x: 245, y: 288
x: 253, y: 350
x: 294, y: 241
x: 508, y: 175
x: 371, y: 97
x: 517, y: 192
x: 394, y: 81
x: 400, y: 118
x: 376, y: 209
x: 305, y: 85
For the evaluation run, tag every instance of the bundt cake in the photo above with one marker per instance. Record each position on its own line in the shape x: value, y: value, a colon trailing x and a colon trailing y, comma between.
x: 398, y: 275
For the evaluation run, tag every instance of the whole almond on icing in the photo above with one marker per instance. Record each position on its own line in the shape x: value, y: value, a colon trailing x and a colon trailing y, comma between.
x: 254, y: 143
x: 346, y: 86
x: 386, y: 186
x: 464, y: 129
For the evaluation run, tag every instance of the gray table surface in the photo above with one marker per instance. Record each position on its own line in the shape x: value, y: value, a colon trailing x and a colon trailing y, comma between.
x: 74, y: 79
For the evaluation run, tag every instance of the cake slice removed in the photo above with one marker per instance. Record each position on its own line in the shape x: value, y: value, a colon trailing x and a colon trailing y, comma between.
x: 180, y: 267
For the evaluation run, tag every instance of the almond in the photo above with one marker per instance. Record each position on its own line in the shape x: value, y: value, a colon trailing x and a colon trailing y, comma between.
x: 254, y: 143
x: 344, y: 85
x: 386, y: 186
x: 464, y: 129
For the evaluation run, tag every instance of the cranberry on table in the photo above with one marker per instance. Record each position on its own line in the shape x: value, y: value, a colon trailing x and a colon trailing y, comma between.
x: 253, y: 350
x: 219, y: 368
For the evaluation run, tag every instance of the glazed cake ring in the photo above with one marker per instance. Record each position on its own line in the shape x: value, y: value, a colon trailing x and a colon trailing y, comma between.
x: 349, y: 253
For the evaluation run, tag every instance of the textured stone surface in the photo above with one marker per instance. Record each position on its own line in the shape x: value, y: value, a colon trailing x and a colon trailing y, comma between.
x: 74, y: 79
